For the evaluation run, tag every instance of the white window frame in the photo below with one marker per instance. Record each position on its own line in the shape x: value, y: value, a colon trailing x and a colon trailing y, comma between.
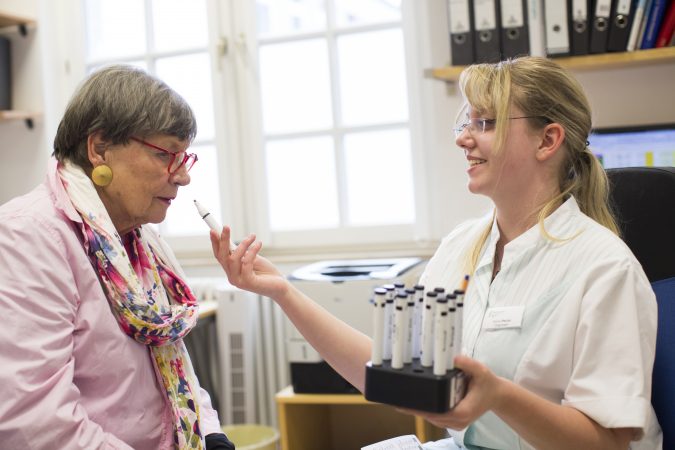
x: 354, y: 239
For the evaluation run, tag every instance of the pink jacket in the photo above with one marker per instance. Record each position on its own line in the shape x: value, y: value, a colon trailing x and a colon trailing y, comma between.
x: 69, y: 377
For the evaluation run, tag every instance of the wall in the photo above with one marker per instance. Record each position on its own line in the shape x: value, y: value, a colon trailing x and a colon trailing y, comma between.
x: 24, y: 153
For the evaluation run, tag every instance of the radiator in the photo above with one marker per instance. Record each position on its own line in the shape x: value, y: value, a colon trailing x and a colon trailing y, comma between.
x: 252, y: 364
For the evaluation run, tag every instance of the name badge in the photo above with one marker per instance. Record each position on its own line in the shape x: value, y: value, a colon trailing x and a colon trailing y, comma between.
x: 498, y: 318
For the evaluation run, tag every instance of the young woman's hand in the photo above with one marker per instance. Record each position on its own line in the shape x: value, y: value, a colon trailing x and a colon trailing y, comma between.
x: 245, y: 268
x: 482, y: 395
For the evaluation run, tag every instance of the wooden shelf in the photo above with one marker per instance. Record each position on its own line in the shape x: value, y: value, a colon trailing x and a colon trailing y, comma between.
x: 8, y: 20
x: 649, y: 57
x: 27, y: 116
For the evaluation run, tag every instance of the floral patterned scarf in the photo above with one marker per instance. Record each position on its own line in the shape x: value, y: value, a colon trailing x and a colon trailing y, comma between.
x: 150, y: 302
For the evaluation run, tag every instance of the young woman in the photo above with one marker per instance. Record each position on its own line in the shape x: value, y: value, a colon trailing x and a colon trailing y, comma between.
x: 573, y: 368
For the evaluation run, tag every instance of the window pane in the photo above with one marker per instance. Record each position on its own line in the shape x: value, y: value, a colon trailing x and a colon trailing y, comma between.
x: 182, y: 217
x: 379, y: 178
x: 179, y: 24
x: 138, y: 63
x: 302, y: 184
x: 114, y: 28
x: 362, y: 12
x: 283, y: 17
x: 190, y: 76
x: 295, y: 86
x: 372, y: 78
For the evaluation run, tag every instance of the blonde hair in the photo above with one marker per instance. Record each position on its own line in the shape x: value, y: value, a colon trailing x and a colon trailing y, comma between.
x: 547, y: 93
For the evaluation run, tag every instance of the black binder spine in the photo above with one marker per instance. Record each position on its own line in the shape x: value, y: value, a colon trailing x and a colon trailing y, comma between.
x: 620, y: 25
x: 515, y: 36
x: 579, y: 27
x: 486, y: 31
x: 600, y: 28
x: 460, y: 24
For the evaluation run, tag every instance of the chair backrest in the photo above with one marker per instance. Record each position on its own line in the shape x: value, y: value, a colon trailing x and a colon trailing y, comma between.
x: 643, y: 199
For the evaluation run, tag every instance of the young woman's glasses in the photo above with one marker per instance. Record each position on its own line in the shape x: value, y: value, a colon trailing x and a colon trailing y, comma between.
x: 178, y: 159
x: 480, y: 125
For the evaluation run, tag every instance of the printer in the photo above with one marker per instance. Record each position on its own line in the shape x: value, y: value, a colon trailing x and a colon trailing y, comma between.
x: 344, y: 288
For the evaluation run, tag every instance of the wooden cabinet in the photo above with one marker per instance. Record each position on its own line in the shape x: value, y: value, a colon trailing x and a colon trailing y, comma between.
x: 341, y: 421
x: 7, y: 22
x: 638, y: 58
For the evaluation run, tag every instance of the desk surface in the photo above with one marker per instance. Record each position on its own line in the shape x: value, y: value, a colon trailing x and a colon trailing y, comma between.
x: 207, y: 308
x: 287, y: 395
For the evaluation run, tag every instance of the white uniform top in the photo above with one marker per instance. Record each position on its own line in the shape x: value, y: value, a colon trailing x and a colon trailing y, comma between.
x: 588, y: 332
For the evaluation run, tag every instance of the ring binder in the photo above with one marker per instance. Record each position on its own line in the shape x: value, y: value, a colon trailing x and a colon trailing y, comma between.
x: 460, y: 19
x: 514, y: 32
x: 486, y: 31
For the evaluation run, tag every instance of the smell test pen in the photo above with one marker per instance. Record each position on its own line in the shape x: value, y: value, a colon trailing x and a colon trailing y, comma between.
x: 417, y: 320
x: 378, y: 326
x: 388, y: 320
x: 452, y: 338
x: 206, y: 215
x: 459, y: 318
x: 409, y: 313
x: 441, y: 337
x: 428, y: 329
x: 399, y: 334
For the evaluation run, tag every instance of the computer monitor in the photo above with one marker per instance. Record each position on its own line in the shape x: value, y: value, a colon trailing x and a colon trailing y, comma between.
x: 634, y: 146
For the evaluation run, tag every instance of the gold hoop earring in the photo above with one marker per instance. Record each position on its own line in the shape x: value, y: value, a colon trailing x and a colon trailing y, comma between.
x: 101, y: 175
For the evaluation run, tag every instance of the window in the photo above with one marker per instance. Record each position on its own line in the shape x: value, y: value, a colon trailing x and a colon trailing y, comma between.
x: 169, y: 39
x: 303, y: 115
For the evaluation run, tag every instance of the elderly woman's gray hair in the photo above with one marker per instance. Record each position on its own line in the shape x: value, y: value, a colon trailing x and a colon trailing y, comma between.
x: 120, y: 102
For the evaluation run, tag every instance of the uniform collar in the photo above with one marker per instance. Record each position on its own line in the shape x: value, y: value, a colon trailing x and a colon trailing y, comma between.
x: 554, y: 225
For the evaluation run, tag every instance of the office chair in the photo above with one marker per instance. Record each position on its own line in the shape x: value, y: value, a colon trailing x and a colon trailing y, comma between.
x: 643, y: 199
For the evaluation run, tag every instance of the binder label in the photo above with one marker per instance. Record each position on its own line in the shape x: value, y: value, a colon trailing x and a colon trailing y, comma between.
x: 512, y: 13
x: 579, y: 11
x: 623, y: 7
x: 602, y: 8
x: 484, y: 15
x: 459, y: 16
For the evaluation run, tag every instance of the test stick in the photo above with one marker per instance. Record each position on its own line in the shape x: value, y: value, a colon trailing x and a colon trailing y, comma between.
x: 206, y: 215
x: 417, y: 320
x: 459, y: 318
x: 441, y: 337
x: 398, y: 335
x: 388, y: 320
x: 453, y: 345
x: 409, y: 313
x: 428, y: 329
x: 378, y: 326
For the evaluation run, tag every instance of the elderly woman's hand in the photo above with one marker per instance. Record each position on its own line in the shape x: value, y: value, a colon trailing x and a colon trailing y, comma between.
x: 245, y: 268
x: 482, y: 395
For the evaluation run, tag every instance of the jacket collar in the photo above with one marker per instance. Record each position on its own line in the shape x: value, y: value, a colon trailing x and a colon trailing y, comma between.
x: 58, y: 191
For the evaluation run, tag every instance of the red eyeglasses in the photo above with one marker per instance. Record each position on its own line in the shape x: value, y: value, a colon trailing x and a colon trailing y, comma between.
x: 178, y: 159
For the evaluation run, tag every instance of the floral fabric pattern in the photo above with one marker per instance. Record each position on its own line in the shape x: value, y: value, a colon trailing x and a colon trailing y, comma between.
x: 151, y: 303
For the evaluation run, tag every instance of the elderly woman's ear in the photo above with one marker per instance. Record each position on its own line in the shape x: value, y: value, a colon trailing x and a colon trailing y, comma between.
x: 96, y: 147
x: 101, y: 173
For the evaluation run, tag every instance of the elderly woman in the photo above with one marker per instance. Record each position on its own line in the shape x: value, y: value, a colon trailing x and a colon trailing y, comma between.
x: 96, y: 305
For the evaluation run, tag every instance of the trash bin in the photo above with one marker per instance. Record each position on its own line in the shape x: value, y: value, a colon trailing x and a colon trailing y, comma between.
x: 252, y: 437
